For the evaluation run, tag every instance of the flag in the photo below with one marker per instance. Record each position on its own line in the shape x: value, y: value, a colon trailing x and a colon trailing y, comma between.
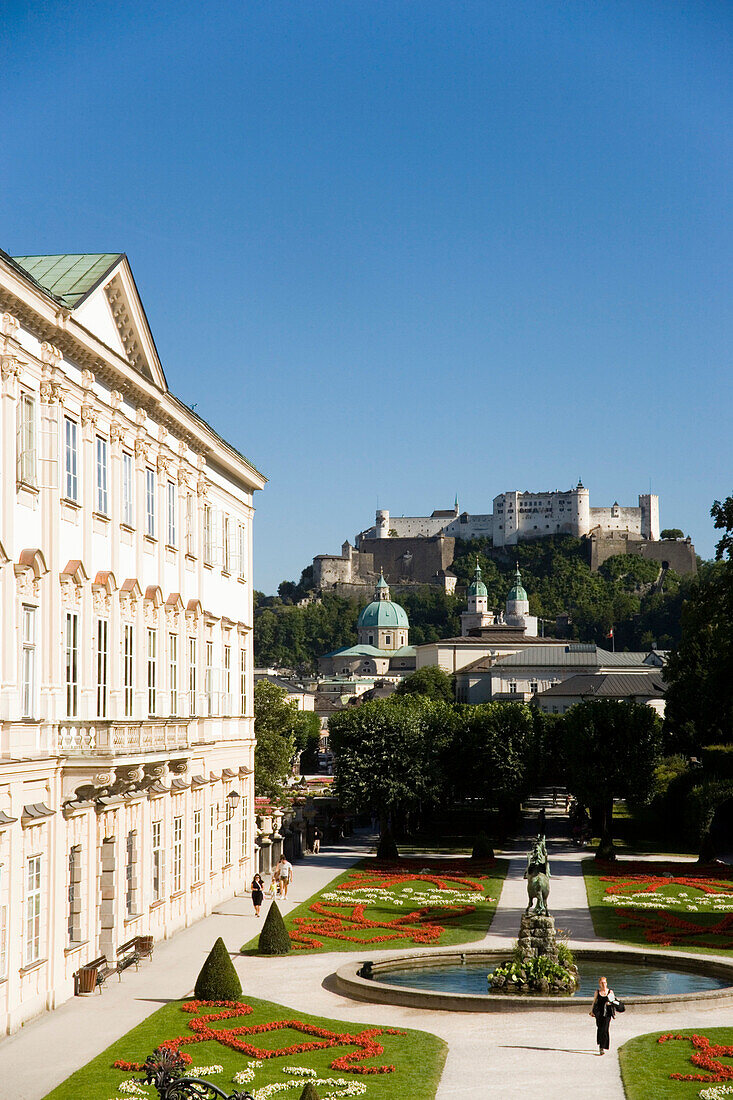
x: 610, y: 633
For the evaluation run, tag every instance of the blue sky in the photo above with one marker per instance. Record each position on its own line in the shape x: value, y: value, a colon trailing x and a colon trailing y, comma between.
x: 399, y: 250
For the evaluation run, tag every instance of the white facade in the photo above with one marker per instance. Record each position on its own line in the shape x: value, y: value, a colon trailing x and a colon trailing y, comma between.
x: 519, y: 516
x: 125, y: 642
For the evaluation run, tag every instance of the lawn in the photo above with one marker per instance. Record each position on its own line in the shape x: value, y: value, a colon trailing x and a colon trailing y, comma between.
x: 647, y: 1063
x: 412, y: 901
x: 662, y: 904
x: 268, y: 1044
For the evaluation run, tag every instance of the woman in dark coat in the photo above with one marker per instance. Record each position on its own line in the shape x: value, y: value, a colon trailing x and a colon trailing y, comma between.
x: 257, y: 889
x: 604, y: 1012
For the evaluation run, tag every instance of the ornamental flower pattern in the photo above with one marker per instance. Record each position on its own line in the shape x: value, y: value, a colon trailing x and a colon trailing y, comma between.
x: 705, y: 1056
x: 640, y: 903
x: 240, y: 1038
x: 341, y: 914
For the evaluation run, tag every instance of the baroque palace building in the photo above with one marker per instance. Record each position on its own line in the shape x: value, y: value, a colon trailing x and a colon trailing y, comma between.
x: 126, y: 727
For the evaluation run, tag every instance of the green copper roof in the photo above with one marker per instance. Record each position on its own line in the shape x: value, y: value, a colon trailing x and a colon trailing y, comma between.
x: 477, y: 588
x: 68, y: 277
x: 381, y: 583
x: 517, y: 592
x: 384, y: 614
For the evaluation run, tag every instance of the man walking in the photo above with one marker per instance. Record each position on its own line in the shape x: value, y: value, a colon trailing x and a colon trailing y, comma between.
x: 285, y: 869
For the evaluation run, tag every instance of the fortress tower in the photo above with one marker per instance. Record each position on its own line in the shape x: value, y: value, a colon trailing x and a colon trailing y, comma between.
x: 581, y: 501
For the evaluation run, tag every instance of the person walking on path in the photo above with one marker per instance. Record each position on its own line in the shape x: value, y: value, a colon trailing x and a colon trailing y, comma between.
x: 316, y: 842
x: 285, y: 875
x: 604, y: 1011
x: 258, y: 889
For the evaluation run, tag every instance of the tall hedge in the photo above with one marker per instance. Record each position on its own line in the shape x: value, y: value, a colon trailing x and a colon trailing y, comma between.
x: 309, y: 1092
x: 218, y: 980
x: 274, y: 938
x: 717, y: 760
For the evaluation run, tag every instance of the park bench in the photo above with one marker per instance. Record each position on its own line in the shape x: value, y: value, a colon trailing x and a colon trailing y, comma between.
x: 145, y: 945
x: 127, y: 954
x: 93, y: 975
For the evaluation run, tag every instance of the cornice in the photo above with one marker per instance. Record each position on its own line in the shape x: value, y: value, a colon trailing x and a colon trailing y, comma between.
x: 53, y: 324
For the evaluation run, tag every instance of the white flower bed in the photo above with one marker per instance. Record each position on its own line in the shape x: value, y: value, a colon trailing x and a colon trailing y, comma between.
x: 716, y: 1092
x: 369, y: 895
x: 712, y: 903
x: 341, y: 1086
x: 244, y: 1076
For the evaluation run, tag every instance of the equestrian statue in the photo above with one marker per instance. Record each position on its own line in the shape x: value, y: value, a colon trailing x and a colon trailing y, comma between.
x: 538, y: 877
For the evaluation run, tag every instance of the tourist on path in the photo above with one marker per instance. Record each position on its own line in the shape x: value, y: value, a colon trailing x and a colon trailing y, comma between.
x: 257, y: 888
x: 604, y: 1011
x: 316, y: 842
x: 285, y: 875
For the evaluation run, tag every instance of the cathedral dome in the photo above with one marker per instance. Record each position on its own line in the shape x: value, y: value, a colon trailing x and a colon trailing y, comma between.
x: 383, y: 613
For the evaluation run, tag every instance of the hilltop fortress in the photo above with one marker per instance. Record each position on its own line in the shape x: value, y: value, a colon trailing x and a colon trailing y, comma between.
x: 420, y: 549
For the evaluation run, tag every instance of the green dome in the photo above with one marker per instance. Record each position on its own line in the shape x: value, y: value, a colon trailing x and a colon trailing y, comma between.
x: 477, y: 588
x: 384, y: 614
x: 517, y: 592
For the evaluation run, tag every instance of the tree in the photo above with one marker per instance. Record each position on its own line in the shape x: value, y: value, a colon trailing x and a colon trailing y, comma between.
x: 672, y: 533
x: 431, y: 682
x: 699, y: 673
x: 218, y: 980
x: 491, y: 753
x: 388, y: 753
x: 611, y: 750
x: 275, y: 723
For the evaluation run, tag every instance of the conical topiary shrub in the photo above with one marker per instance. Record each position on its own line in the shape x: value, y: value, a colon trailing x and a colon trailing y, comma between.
x: 309, y: 1092
x: 482, y: 848
x: 218, y: 980
x: 274, y: 938
x: 387, y: 849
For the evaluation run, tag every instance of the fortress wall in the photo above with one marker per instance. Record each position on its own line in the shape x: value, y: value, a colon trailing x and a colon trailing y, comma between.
x: 679, y: 555
x: 413, y: 560
x: 471, y: 527
x: 414, y: 527
x: 616, y: 519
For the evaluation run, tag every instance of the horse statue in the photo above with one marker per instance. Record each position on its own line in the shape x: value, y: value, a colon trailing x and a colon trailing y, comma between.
x: 538, y: 877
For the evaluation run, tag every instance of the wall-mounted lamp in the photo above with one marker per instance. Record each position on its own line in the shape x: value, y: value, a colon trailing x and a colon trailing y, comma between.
x: 230, y: 804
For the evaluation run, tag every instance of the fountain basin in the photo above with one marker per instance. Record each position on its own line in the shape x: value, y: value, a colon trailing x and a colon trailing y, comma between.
x: 670, y: 979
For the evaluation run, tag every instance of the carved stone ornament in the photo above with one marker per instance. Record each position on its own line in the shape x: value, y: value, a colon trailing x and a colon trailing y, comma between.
x: 150, y: 613
x: 51, y: 391
x: 202, y: 487
x: 102, y: 602
x: 104, y: 779
x: 9, y: 324
x: 192, y: 620
x: 50, y: 355
x: 9, y: 368
x: 115, y: 399
x: 89, y: 416
x: 87, y: 379
x: 26, y: 584
x: 162, y: 434
x: 140, y: 417
x: 128, y: 607
x: 178, y: 767
x: 141, y: 449
x: 116, y: 431
x: 70, y: 594
x: 172, y: 618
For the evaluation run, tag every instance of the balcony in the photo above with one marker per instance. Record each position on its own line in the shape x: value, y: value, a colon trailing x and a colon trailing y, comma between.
x: 121, y: 738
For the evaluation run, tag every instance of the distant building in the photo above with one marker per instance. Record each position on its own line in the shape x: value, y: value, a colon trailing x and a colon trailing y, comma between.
x: 623, y: 685
x: 295, y: 692
x: 382, y: 651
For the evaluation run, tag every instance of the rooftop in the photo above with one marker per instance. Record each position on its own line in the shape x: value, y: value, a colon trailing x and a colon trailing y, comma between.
x: 609, y: 685
x: 69, y: 277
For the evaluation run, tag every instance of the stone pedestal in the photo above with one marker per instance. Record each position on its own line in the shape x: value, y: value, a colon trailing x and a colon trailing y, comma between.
x: 537, y: 936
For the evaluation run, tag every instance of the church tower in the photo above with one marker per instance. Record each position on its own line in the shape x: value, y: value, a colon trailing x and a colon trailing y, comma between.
x: 517, y: 608
x: 383, y: 624
x: 477, y: 614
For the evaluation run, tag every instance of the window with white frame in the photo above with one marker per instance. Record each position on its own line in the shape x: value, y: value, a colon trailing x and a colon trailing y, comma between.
x: 102, y: 663
x: 226, y: 561
x: 191, y: 524
x: 26, y: 443
x: 3, y: 924
x: 197, y: 868
x: 243, y: 682
x: 242, y: 552
x: 192, y: 676
x: 210, y: 697
x: 152, y: 671
x: 128, y: 668
x: 227, y: 842
x: 131, y: 882
x: 208, y: 535
x: 177, y: 854
x: 158, y: 862
x: 227, y: 679
x: 171, y: 503
x: 150, y: 502
x: 73, y: 916
x: 127, y: 489
x: 173, y: 671
x: 72, y: 664
x: 33, y: 910
x: 71, y: 459
x: 102, y: 497
x: 245, y: 826
x: 212, y: 838
x: 28, y: 661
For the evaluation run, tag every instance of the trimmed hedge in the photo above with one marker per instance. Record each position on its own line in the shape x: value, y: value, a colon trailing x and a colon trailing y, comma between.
x: 387, y: 848
x: 274, y: 938
x: 218, y: 980
x: 309, y: 1092
x: 482, y: 848
x: 717, y: 760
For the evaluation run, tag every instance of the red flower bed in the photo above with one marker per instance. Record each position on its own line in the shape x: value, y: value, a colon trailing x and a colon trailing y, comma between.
x: 234, y: 1038
x: 705, y: 1057
x: 416, y: 926
x: 665, y: 927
